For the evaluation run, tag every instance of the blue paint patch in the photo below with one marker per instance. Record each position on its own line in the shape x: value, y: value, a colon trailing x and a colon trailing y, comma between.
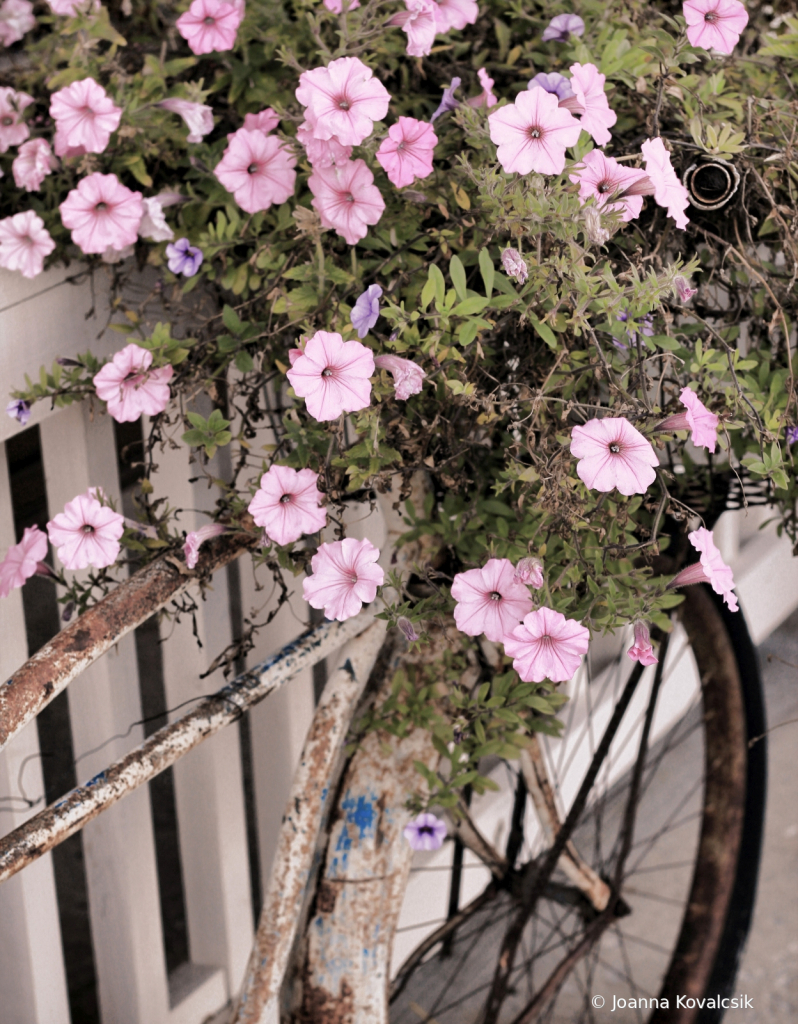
x: 344, y: 842
x: 324, y: 793
x: 93, y: 782
x: 360, y: 813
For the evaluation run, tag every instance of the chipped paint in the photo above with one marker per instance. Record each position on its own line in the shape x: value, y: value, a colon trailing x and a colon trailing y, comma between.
x: 55, y: 665
x: 297, y: 858
x: 74, y: 810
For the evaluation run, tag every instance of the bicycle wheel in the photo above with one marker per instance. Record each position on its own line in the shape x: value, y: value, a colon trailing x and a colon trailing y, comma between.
x: 664, y: 822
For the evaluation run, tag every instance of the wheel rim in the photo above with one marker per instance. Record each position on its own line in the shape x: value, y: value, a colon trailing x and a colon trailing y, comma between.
x: 707, y: 892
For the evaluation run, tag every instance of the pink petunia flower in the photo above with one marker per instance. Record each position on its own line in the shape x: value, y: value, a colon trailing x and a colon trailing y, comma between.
x: 698, y: 419
x: 102, y: 213
x: 321, y: 153
x: 85, y: 115
x: 408, y: 377
x: 710, y: 569
x: 197, y: 538
x: 332, y: 375
x: 683, y: 289
x: 486, y: 98
x: 642, y: 650
x: 714, y: 24
x: 612, y: 454
x: 425, y: 832
x: 588, y: 86
x: 547, y: 646
x: 529, y: 571
x: 198, y: 116
x: 86, y: 533
x: 210, y: 25
x: 258, y: 169
x: 22, y: 560
x: 343, y: 100
x: 32, y: 164
x: 490, y: 600
x: 515, y: 265
x: 287, y: 504
x: 455, y: 14
x: 345, y: 577
x: 337, y: 6
x: 562, y: 27
x: 263, y: 121
x: 420, y: 23
x: 346, y: 199
x: 24, y: 243
x: 407, y: 152
x: 16, y: 19
x: 668, y: 190
x: 13, y: 129
x: 130, y: 387
x: 600, y: 177
x: 532, y: 134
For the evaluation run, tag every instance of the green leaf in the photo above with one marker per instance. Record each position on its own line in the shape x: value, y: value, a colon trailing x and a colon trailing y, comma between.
x: 244, y: 361
x: 458, y: 276
x: 487, y: 270
x: 195, y: 438
x: 467, y: 332
x: 440, y: 284
x: 470, y: 306
x: 231, y: 320
x: 546, y: 333
x: 428, y: 292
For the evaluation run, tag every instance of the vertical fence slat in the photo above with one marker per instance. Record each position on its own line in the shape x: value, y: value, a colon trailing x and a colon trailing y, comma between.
x: 280, y: 724
x: 104, y: 701
x: 32, y: 980
x: 208, y: 782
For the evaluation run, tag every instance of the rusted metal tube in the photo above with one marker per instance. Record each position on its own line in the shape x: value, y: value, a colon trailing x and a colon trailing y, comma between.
x: 69, y: 814
x: 310, y: 802
x: 55, y: 665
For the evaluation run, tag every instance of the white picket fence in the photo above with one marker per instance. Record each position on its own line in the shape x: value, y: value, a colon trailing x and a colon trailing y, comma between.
x: 40, y: 320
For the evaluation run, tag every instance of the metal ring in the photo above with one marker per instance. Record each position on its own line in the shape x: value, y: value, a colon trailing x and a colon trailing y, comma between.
x: 711, y: 183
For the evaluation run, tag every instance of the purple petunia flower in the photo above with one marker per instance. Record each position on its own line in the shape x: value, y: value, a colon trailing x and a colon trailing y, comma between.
x: 366, y: 310
x: 562, y: 27
x: 19, y: 410
x: 792, y: 435
x: 645, y: 326
x: 426, y: 832
x: 552, y: 82
x: 183, y: 258
x: 448, y: 102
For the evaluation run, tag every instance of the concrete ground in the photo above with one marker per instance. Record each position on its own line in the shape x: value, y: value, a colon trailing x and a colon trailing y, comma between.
x: 769, y: 969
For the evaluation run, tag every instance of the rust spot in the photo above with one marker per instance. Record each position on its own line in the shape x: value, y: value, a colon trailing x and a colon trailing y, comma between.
x: 325, y: 901
x: 79, y: 640
x: 322, y: 1007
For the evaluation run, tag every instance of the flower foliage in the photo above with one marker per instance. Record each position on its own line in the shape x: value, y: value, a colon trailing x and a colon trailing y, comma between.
x: 453, y: 237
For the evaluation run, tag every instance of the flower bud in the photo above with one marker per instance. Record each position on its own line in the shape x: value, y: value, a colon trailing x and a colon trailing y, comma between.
x: 406, y: 626
x: 683, y: 289
x: 514, y: 265
x: 593, y: 229
x: 530, y: 572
